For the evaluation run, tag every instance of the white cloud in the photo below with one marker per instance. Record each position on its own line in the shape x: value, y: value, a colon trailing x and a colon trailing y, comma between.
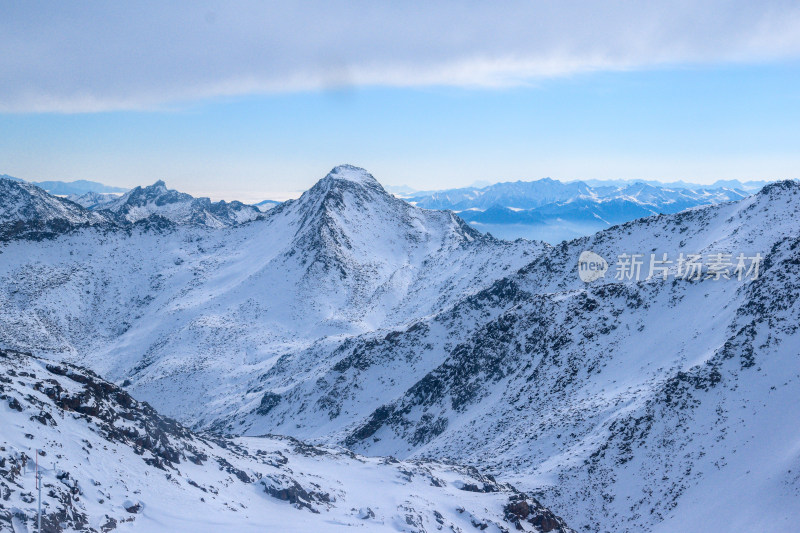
x: 79, y: 57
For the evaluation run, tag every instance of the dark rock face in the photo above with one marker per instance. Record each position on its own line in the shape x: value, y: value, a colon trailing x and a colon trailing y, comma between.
x: 288, y: 490
x: 523, y: 508
x: 268, y: 401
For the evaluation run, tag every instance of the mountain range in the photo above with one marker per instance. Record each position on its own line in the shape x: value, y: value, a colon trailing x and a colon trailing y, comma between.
x: 65, y: 188
x: 29, y: 210
x: 140, y: 203
x: 350, y: 318
x: 546, y: 209
x: 554, y: 211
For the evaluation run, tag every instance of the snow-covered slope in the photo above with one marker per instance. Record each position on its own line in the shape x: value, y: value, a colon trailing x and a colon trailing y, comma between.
x: 188, y: 310
x: 350, y: 317
x: 93, y: 200
x: 26, y: 211
x: 638, y: 406
x: 109, y: 462
x: 178, y: 207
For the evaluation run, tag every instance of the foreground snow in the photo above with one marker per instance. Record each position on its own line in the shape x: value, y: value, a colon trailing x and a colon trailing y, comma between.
x: 110, y: 462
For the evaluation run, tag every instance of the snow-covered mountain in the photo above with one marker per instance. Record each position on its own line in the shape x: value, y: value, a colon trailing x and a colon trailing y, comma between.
x: 67, y: 188
x: 191, y: 310
x: 349, y: 317
x: 93, y: 200
x: 657, y: 405
x: 109, y: 462
x: 181, y: 208
x: 553, y: 211
x: 26, y: 211
x: 29, y: 212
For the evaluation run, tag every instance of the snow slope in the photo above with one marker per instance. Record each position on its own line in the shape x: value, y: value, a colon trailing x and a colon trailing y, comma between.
x: 93, y: 200
x: 189, y: 310
x: 109, y: 463
x: 350, y: 317
x: 637, y: 406
x: 29, y: 212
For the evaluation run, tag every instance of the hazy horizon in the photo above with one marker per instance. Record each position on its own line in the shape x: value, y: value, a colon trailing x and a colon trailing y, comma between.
x: 254, y: 196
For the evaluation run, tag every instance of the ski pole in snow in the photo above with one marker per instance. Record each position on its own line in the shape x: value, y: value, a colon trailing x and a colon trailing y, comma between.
x: 39, y: 486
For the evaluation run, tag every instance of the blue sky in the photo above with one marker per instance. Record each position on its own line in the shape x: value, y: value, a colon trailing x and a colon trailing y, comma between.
x: 444, y: 112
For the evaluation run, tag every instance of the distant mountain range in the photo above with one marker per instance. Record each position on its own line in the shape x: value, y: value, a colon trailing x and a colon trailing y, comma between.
x: 749, y: 186
x: 553, y: 211
x: 548, y: 210
x: 64, y: 188
x: 97, y: 196
x: 178, y: 207
x: 266, y: 205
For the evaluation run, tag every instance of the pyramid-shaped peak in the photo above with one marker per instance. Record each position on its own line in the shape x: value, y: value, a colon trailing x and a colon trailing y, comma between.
x: 353, y: 174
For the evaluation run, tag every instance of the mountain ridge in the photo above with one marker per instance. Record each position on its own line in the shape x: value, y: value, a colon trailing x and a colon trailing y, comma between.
x: 181, y: 208
x: 341, y: 260
x: 537, y: 347
x: 339, y: 318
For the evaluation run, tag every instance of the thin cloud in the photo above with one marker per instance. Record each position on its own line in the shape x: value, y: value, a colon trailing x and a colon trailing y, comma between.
x: 84, y: 57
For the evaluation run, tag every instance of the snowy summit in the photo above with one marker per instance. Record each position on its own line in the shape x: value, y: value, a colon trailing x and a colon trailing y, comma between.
x: 352, y: 173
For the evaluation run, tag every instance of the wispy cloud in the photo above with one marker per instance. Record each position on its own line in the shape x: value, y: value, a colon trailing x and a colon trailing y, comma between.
x: 84, y: 57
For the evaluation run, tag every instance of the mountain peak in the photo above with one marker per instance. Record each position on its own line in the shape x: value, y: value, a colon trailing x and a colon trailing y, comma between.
x: 179, y: 207
x: 27, y: 211
x: 343, y: 178
x: 159, y: 187
x: 157, y: 192
x: 352, y: 174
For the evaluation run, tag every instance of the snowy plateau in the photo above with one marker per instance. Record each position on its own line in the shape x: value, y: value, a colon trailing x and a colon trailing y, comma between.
x: 348, y: 360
